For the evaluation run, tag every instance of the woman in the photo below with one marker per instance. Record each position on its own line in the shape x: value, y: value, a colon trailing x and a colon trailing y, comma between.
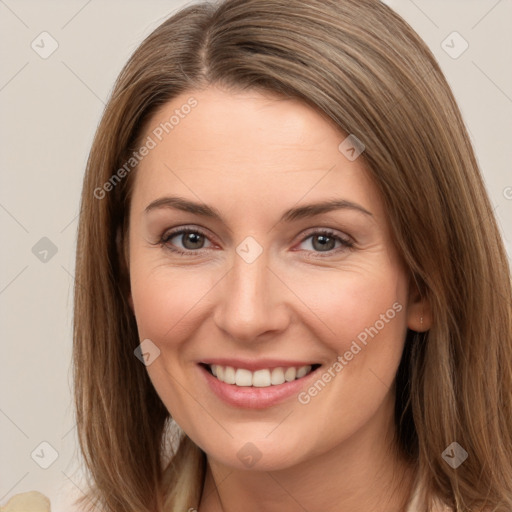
x: 285, y: 245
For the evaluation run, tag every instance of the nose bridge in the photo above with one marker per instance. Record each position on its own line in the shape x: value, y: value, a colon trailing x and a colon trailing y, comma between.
x: 251, y: 302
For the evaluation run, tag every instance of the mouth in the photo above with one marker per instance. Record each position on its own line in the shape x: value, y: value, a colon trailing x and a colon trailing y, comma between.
x: 262, y: 378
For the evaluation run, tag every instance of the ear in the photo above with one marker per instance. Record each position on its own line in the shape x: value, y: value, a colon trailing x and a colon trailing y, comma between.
x: 419, y: 310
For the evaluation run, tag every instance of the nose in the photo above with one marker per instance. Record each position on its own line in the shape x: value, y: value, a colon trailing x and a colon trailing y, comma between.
x: 251, y: 301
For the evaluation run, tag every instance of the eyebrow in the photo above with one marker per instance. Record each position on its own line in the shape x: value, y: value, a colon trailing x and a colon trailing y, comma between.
x: 290, y: 215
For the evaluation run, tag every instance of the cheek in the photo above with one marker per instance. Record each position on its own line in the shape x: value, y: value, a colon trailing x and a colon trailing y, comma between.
x: 357, y: 305
x: 165, y: 300
x: 167, y: 304
x: 156, y: 307
x: 364, y: 325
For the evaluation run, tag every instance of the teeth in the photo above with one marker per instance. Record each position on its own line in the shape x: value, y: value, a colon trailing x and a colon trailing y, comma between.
x: 277, y: 376
x: 242, y: 378
x: 290, y: 374
x: 302, y: 371
x: 260, y: 378
x: 229, y: 375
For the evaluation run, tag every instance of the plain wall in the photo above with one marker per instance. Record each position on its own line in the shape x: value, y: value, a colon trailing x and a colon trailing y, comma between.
x: 50, y: 108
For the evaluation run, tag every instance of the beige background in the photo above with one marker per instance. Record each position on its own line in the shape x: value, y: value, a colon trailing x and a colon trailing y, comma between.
x: 49, y: 110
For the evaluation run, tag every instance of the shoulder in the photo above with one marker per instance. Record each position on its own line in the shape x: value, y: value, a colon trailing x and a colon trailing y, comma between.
x: 32, y: 501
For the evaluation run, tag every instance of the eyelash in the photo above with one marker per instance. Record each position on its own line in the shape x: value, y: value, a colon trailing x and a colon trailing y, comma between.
x: 168, y: 235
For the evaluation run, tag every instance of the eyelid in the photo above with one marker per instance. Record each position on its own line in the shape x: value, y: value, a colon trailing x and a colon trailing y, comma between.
x: 171, y: 232
x: 328, y: 231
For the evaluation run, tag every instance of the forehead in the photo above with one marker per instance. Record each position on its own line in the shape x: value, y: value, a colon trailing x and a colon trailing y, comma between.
x: 212, y: 141
x: 237, y: 125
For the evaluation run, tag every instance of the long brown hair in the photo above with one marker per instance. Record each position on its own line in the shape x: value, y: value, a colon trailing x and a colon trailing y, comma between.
x: 360, y: 64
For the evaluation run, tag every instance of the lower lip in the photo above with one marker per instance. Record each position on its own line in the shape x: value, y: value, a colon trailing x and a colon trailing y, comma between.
x: 249, y: 397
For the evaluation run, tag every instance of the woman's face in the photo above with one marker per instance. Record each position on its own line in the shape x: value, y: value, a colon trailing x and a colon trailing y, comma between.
x: 286, y: 262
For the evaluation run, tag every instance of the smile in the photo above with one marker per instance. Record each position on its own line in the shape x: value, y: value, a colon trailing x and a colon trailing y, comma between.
x: 260, y: 378
x: 266, y: 384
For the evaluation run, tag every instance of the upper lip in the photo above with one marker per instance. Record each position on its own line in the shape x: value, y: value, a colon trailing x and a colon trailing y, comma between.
x: 254, y: 365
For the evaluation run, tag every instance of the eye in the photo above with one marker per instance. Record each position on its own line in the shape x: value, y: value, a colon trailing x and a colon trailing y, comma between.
x: 191, y: 239
x: 326, y: 241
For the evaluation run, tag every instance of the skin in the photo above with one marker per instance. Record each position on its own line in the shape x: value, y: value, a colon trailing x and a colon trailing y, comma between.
x: 253, y: 156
